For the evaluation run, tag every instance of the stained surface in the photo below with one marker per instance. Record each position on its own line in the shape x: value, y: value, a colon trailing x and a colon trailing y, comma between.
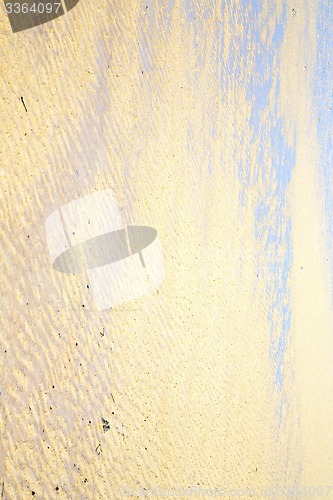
x: 211, y: 123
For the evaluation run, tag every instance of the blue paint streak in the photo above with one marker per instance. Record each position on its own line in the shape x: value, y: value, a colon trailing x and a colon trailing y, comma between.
x: 275, y: 161
x: 323, y: 96
x: 171, y: 4
x: 274, y: 158
x: 272, y: 225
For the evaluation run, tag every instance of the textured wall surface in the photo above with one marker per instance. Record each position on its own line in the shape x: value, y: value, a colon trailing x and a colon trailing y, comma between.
x: 211, y: 121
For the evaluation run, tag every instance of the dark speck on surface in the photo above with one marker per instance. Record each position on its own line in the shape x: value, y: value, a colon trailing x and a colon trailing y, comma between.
x: 22, y: 100
x: 106, y: 426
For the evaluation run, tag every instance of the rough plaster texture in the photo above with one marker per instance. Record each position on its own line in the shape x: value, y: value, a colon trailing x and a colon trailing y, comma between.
x: 222, y: 377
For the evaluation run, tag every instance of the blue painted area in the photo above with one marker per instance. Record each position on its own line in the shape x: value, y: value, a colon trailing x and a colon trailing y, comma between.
x: 275, y: 161
x: 274, y: 164
x: 146, y: 56
x: 189, y: 10
x: 168, y: 17
x: 256, y: 69
x: 191, y: 17
x: 196, y: 17
x: 323, y: 97
x: 171, y: 3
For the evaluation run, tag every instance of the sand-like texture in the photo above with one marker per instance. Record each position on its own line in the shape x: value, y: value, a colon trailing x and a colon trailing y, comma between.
x: 202, y: 119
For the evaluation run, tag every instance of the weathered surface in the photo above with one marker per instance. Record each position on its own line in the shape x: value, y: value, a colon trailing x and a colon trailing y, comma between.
x: 202, y: 117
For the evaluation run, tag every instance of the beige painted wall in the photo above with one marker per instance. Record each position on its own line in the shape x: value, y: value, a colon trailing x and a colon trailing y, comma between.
x: 118, y: 95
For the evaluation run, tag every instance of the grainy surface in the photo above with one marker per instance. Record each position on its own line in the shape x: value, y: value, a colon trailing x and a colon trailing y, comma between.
x: 203, y: 119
